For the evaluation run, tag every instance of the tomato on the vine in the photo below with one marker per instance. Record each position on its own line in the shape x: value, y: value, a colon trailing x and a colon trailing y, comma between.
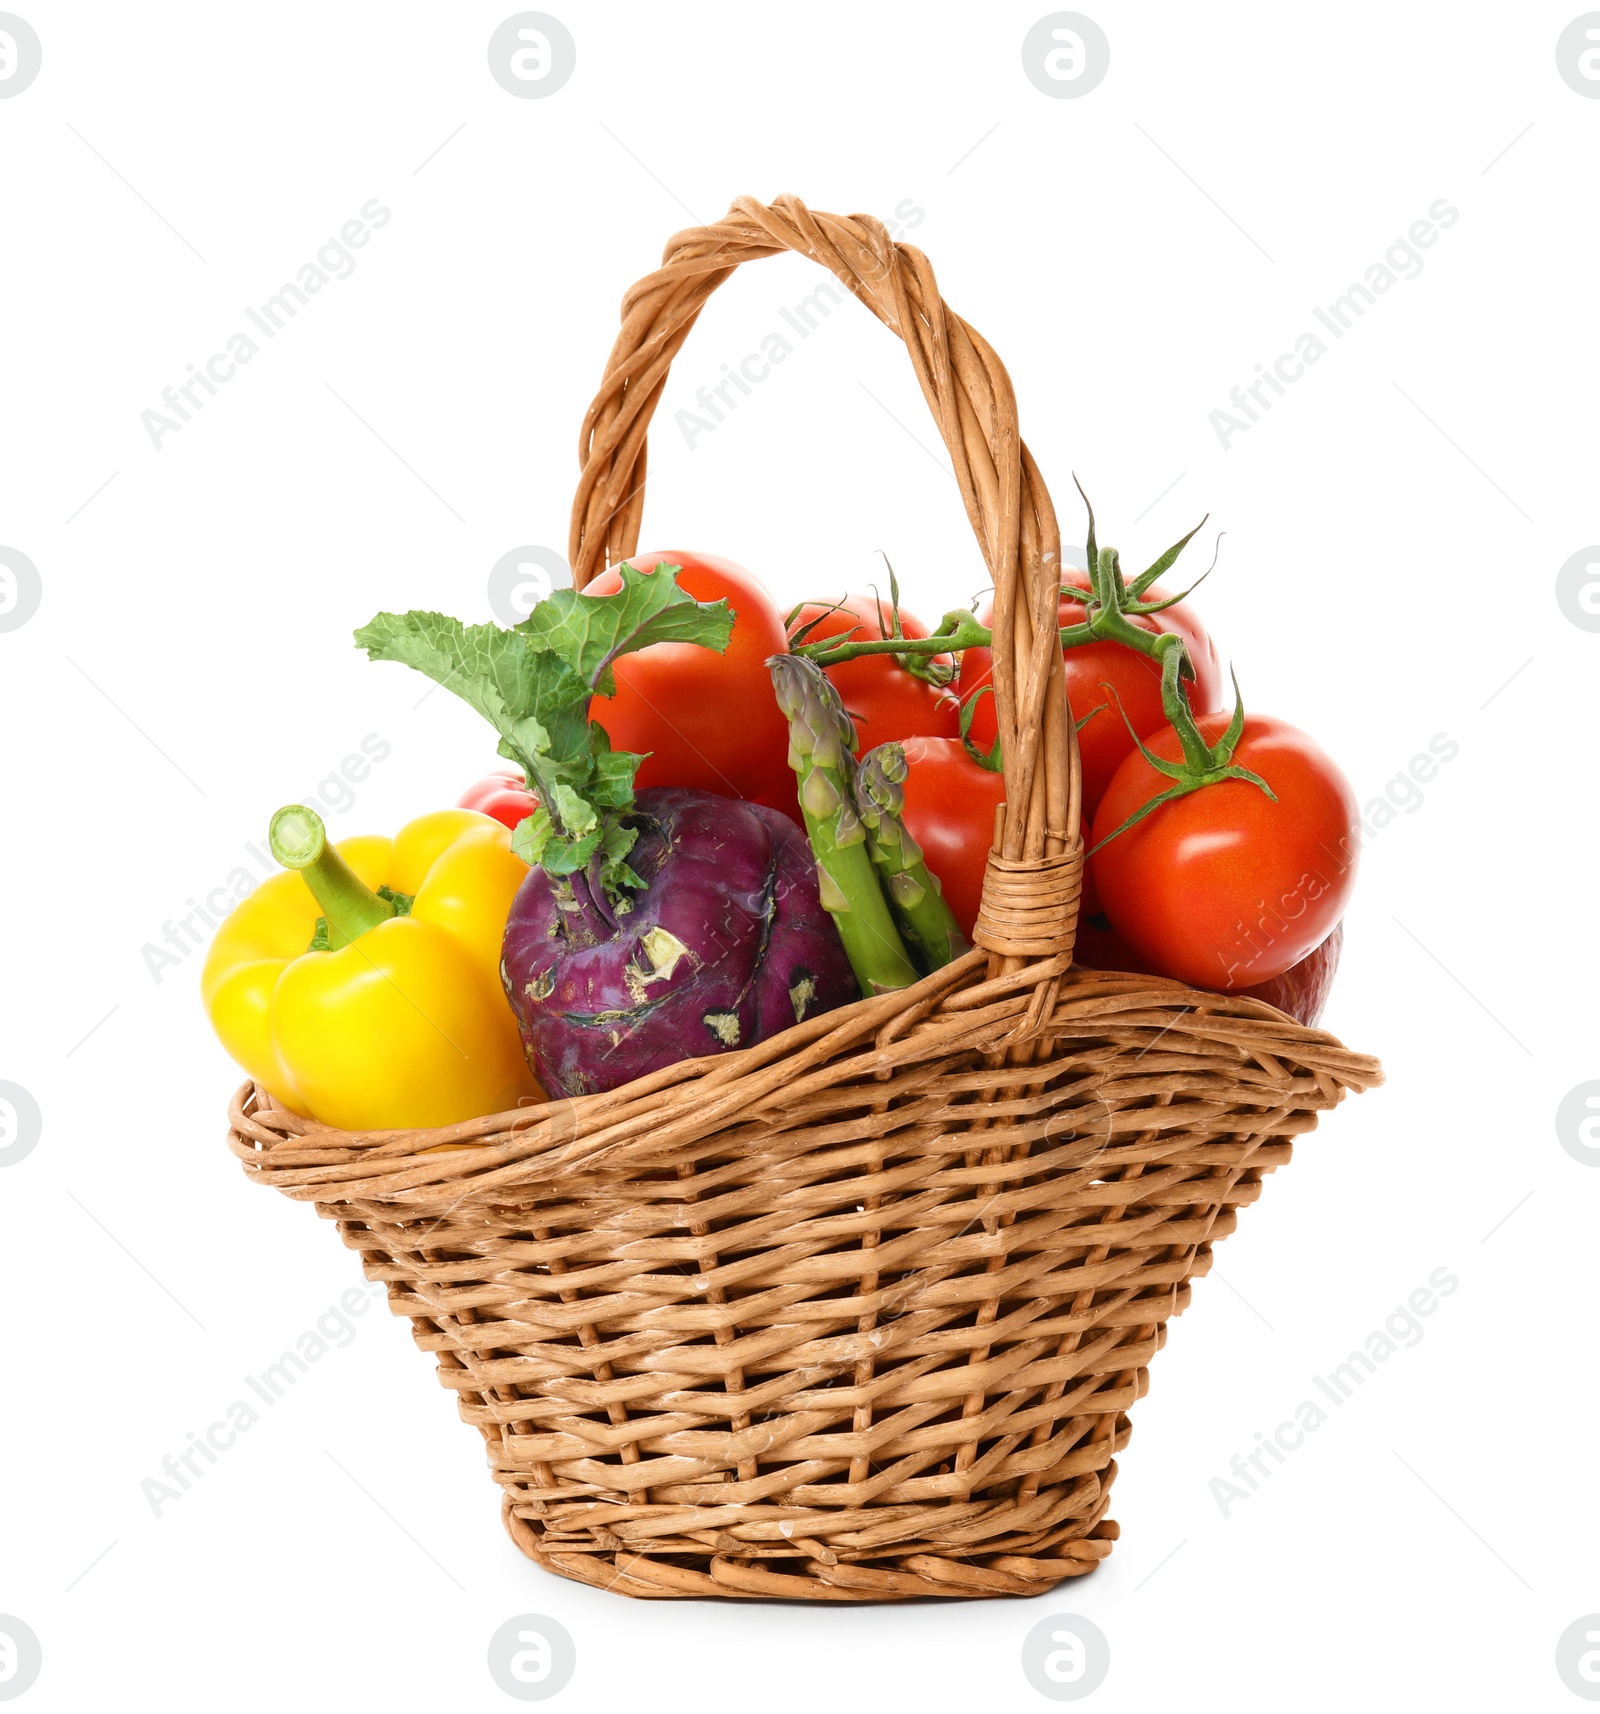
x: 1301, y: 991
x: 949, y: 810
x: 503, y: 794
x: 1098, y: 946
x: 1224, y: 887
x: 1104, y: 741
x: 885, y: 700
x: 704, y: 720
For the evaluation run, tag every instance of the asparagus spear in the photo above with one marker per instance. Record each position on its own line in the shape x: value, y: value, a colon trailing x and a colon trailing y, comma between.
x: 915, y: 896
x: 821, y: 752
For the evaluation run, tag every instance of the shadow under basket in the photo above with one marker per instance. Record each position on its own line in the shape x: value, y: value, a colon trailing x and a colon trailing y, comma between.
x: 856, y: 1313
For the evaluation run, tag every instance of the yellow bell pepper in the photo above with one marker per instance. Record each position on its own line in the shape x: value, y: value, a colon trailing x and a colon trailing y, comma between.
x: 401, y: 1021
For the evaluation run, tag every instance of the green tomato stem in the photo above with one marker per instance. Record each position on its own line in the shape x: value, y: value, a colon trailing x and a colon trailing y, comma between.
x: 1203, y: 764
x: 1112, y: 605
x: 1108, y: 620
x: 1175, y: 705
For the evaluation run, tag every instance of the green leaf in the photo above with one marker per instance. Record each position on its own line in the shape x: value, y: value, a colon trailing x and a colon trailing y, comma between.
x: 531, y: 835
x: 536, y: 702
x: 611, y: 785
x: 589, y: 632
x: 564, y: 856
x: 533, y: 684
x: 574, y: 813
x: 616, y: 843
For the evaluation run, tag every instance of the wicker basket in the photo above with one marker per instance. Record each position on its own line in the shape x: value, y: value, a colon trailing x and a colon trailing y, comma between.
x: 857, y: 1313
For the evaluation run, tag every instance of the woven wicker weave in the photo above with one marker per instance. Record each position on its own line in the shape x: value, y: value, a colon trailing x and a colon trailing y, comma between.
x: 856, y: 1313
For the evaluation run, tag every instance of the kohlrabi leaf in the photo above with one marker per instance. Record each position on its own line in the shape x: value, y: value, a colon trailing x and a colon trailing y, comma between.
x: 531, y: 835
x: 612, y: 784
x: 534, y: 700
x: 533, y: 684
x: 589, y: 632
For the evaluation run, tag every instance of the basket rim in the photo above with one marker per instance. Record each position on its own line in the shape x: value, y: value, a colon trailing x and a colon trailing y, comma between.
x: 265, y: 1132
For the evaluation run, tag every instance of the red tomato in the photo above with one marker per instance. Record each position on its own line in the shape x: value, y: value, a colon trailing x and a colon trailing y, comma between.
x: 886, y: 701
x: 503, y: 794
x: 703, y: 720
x: 1301, y: 991
x: 1098, y: 945
x: 1104, y: 741
x: 1225, y: 888
x: 950, y: 805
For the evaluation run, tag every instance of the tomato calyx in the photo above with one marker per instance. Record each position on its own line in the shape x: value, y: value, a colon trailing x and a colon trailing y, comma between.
x: 955, y: 632
x: 992, y: 761
x: 913, y: 654
x: 1113, y: 605
x: 969, y: 708
x: 1111, y: 608
x: 1203, y: 764
x: 1114, y: 611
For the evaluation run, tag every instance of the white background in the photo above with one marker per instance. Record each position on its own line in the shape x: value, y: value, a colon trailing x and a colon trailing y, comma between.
x: 1394, y: 529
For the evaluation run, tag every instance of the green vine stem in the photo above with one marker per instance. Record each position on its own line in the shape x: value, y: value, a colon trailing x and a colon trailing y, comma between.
x: 913, y: 654
x: 1111, y: 609
x: 1203, y: 764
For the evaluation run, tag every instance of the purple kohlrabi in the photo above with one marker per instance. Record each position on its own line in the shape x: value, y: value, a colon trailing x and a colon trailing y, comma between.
x: 725, y: 944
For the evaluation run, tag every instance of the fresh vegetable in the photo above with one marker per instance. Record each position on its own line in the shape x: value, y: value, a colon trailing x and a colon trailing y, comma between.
x: 1114, y: 634
x: 1302, y: 990
x: 949, y: 811
x: 698, y: 720
x: 724, y: 944
x: 820, y: 751
x: 1102, y: 673
x: 1239, y: 875
x: 1205, y: 874
x: 887, y: 698
x: 533, y: 683
x: 916, y: 899
x: 651, y: 928
x: 503, y: 794
x: 362, y: 987
x: 1098, y: 946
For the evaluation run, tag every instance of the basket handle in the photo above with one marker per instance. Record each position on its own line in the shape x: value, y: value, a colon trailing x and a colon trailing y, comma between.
x: 1032, y: 882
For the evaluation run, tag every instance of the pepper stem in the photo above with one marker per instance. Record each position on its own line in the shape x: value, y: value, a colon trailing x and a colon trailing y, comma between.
x: 299, y: 841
